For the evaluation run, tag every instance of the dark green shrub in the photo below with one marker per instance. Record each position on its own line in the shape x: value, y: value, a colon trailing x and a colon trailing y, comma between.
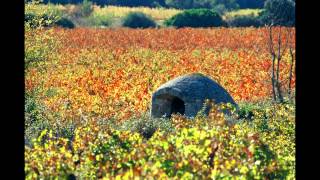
x: 138, y: 20
x: 244, y: 21
x: 195, y: 18
x: 65, y: 22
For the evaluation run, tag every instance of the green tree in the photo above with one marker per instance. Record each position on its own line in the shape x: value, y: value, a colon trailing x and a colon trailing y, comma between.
x: 186, y: 4
x: 211, y: 4
x: 195, y: 18
x: 253, y: 4
x: 279, y: 12
x: 138, y: 20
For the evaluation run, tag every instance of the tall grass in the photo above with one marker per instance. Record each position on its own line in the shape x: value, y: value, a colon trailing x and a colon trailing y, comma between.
x: 241, y: 12
x: 155, y: 13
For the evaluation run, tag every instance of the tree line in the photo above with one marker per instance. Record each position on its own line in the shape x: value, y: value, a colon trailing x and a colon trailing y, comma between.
x: 180, y: 4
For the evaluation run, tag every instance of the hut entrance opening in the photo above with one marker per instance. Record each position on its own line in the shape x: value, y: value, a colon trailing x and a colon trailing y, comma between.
x: 177, y: 106
x: 168, y: 104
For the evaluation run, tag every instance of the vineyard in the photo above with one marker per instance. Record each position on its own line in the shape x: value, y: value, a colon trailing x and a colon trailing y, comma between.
x: 88, y: 94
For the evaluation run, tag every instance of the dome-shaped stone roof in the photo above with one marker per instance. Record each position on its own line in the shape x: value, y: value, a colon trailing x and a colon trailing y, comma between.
x: 191, y: 91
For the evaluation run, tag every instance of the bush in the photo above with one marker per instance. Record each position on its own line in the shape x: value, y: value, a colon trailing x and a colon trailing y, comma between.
x: 39, y: 20
x: 37, y: 15
x: 47, y: 20
x: 244, y: 21
x: 138, y: 20
x: 279, y: 12
x: 65, y: 22
x: 195, y: 18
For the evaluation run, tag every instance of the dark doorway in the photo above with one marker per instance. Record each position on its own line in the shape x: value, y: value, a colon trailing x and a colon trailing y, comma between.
x: 177, y: 106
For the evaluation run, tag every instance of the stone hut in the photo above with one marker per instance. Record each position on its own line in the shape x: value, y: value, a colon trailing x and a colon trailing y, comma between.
x: 186, y: 95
